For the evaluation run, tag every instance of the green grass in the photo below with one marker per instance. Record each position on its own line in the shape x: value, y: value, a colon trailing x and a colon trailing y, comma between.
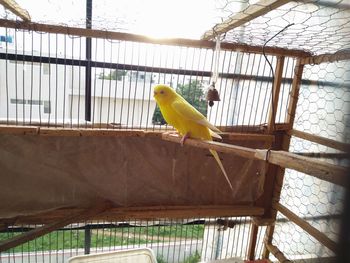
x: 59, y: 240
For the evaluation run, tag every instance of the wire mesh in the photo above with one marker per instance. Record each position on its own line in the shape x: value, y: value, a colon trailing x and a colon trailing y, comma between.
x: 43, y: 82
x: 172, y: 240
x: 318, y: 26
x: 322, y: 110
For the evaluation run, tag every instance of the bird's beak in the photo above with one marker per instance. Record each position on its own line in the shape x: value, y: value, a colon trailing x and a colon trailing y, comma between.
x: 154, y: 93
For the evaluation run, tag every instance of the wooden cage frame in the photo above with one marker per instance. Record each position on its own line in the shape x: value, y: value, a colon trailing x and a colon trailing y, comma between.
x: 278, y: 136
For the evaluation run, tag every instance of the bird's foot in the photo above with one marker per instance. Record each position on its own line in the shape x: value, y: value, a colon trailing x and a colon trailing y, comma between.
x: 184, y: 138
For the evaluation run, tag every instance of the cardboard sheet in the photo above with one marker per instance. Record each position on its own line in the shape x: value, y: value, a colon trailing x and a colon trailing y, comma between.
x: 40, y: 173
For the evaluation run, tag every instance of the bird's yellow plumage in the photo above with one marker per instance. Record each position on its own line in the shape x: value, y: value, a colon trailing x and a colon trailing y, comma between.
x: 186, y: 119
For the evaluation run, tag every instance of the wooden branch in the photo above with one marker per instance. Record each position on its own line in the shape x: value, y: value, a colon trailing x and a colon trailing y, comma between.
x: 276, y: 92
x: 69, y: 218
x: 83, y: 32
x: 294, y: 94
x: 251, y: 12
x: 220, y: 147
x: 252, y: 241
x: 345, y: 147
x: 121, y: 213
x: 320, y: 169
x: 16, y: 9
x: 326, y: 58
x: 276, y: 252
x: 322, y: 238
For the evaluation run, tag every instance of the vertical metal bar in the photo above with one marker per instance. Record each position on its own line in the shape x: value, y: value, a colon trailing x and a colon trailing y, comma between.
x: 250, y: 109
x: 56, y: 84
x: 110, y: 83
x: 16, y: 78
x: 87, y: 240
x: 6, y: 82
x: 64, y: 80
x: 88, y: 64
x: 40, y: 75
x: 31, y: 82
x: 72, y: 88
x: 223, y: 95
x: 79, y: 87
x: 49, y: 64
x: 116, y: 86
x: 23, y: 85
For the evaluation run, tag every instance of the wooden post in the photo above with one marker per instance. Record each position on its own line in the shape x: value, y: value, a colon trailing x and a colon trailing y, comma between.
x: 294, y: 95
x: 275, y: 94
x: 277, y: 253
x: 252, y: 241
x: 345, y: 147
x: 293, y: 100
x: 16, y: 9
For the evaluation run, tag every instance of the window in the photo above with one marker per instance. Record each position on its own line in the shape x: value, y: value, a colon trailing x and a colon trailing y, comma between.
x: 47, y: 106
x: 18, y: 101
x: 34, y: 102
x: 46, y: 69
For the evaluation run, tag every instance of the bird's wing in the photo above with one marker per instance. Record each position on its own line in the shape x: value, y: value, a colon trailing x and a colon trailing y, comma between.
x: 187, y: 111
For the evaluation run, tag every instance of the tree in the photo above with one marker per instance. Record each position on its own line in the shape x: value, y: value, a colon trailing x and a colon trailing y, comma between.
x: 115, y: 74
x: 193, y: 93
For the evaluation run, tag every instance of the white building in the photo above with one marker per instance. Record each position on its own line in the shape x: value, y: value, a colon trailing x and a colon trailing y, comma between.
x: 33, y: 92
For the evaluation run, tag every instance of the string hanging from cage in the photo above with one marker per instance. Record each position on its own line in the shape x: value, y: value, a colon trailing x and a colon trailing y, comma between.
x: 272, y: 71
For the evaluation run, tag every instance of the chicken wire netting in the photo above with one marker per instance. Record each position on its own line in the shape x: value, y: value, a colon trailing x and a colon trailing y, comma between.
x: 317, y: 26
x: 322, y: 110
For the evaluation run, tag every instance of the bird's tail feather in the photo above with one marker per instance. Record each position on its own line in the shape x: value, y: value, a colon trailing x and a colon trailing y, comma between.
x: 216, y: 156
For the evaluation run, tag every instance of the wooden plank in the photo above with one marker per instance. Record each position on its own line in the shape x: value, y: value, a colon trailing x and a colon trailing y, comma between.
x: 345, y: 147
x: 251, y: 12
x: 326, y: 58
x: 275, y: 94
x: 320, y: 169
x: 318, y: 235
x: 76, y: 31
x: 252, y: 241
x: 294, y: 94
x: 19, y: 130
x: 16, y: 9
x: 277, y: 253
x: 323, y: 170
x: 121, y: 213
x: 40, y: 231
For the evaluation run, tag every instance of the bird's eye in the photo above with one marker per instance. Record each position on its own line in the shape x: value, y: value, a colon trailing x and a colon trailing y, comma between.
x: 161, y: 92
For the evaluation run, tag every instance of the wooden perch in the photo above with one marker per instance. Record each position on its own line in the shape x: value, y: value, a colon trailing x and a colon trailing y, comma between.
x: 40, y: 231
x: 320, y: 169
x: 16, y: 9
x: 251, y: 12
x: 277, y: 253
x: 345, y: 147
x: 322, y: 238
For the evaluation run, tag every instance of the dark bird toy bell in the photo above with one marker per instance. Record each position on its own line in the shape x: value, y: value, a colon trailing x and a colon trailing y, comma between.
x: 212, y: 95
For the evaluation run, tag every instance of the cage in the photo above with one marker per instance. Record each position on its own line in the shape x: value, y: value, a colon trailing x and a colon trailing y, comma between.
x: 89, y: 165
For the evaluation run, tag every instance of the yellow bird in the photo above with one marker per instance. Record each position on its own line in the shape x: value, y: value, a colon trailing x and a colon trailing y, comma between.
x: 186, y: 119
